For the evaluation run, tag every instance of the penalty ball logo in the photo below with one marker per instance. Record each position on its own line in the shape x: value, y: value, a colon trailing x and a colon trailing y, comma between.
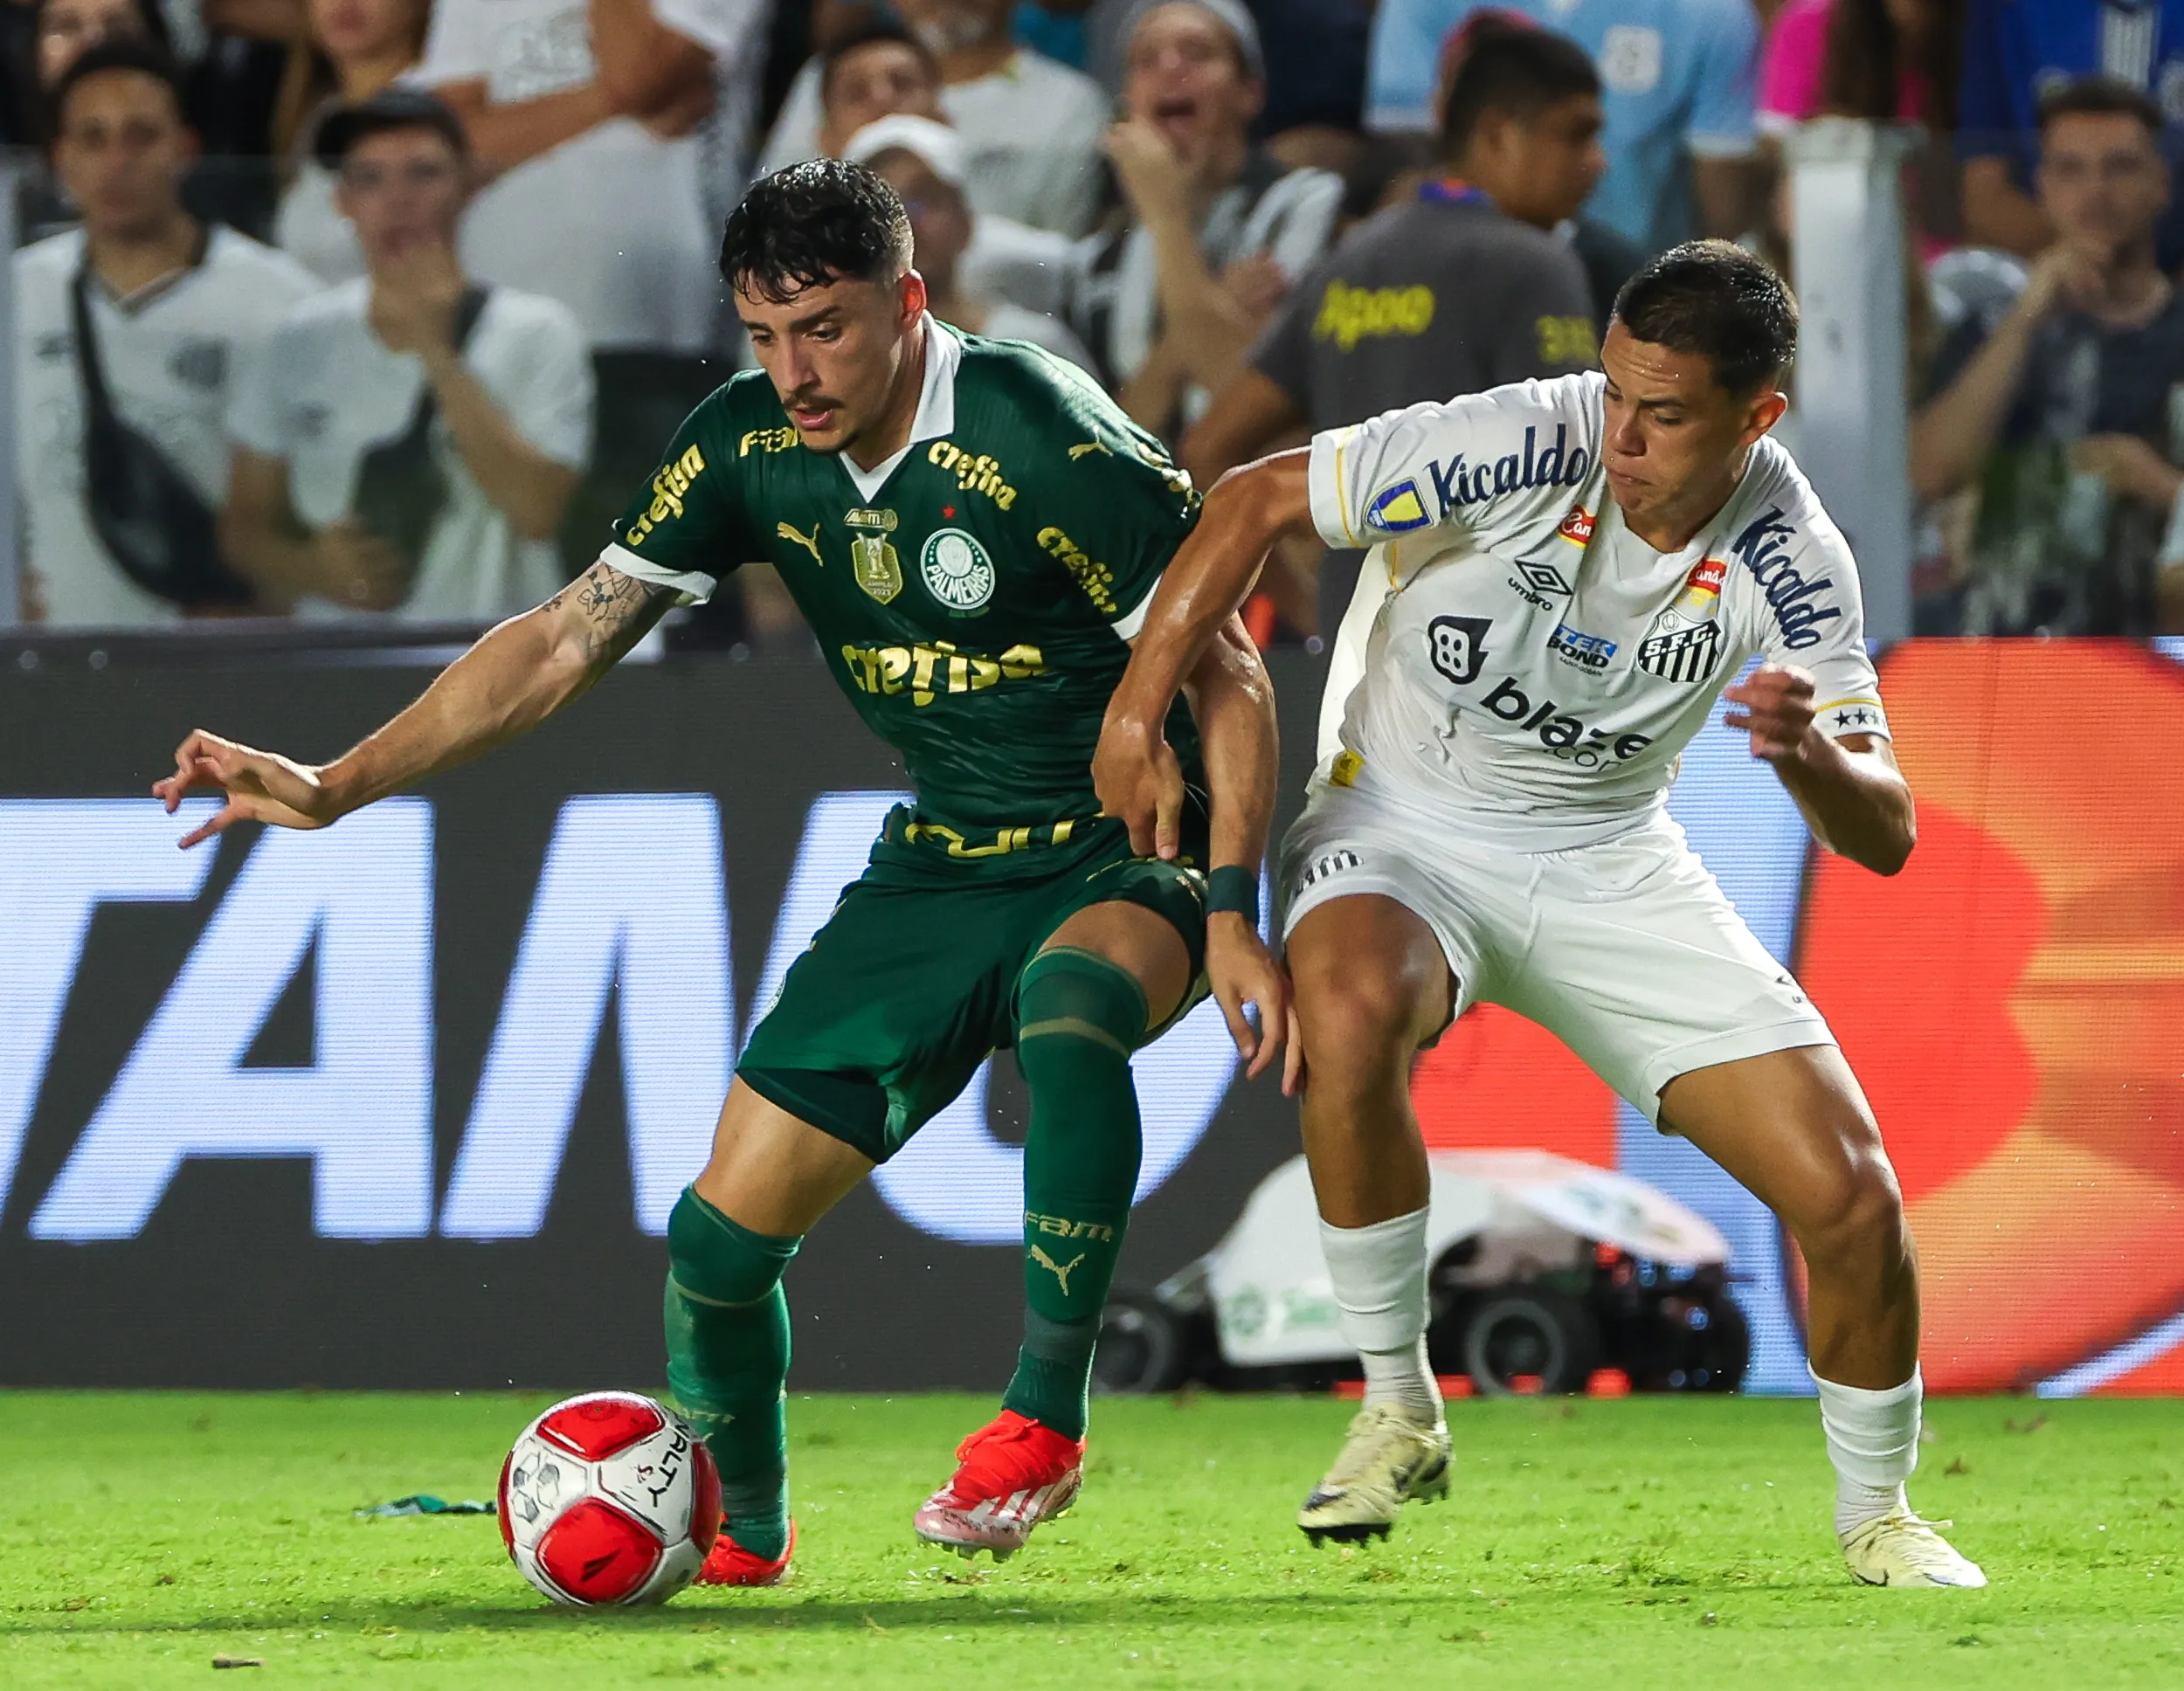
x: 958, y: 571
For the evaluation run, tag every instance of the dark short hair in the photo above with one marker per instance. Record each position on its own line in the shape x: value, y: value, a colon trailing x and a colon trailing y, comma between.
x: 343, y: 129
x: 1512, y: 65
x: 1716, y: 300
x: 825, y: 220
x: 871, y: 33
x: 2100, y: 96
x: 123, y: 52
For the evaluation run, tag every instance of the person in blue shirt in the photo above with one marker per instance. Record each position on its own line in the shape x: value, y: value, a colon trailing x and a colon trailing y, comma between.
x: 1677, y: 80
x: 2017, y: 51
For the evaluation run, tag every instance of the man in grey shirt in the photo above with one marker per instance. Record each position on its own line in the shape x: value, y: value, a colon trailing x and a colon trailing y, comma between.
x: 1460, y: 289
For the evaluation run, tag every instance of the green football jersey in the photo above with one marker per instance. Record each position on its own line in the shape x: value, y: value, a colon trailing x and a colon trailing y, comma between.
x: 974, y: 596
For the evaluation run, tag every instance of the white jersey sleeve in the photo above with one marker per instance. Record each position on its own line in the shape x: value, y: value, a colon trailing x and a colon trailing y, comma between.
x: 1498, y: 467
x: 1800, y: 588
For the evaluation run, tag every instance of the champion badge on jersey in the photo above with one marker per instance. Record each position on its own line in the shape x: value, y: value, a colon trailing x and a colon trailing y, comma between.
x: 958, y: 571
x: 873, y: 557
x: 1397, y: 509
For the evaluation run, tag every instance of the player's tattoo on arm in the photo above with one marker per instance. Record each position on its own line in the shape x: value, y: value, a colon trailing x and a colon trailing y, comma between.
x: 614, y: 610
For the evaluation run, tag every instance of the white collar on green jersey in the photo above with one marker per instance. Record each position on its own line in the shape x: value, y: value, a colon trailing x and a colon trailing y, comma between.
x: 936, y: 407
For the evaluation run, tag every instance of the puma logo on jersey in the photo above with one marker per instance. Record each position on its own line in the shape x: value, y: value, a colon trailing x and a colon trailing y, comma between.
x: 1084, y: 448
x: 809, y: 543
x: 1060, y: 1271
x: 1567, y: 737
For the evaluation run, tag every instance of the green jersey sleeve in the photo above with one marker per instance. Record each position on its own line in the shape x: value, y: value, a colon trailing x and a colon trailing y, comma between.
x: 1114, y: 506
x: 687, y: 529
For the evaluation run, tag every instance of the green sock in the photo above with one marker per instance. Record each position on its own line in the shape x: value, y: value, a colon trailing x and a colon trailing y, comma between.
x: 1079, y: 1016
x: 728, y: 1361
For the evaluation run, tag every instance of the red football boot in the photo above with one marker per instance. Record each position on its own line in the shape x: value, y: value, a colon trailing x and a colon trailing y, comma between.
x: 1012, y: 1474
x: 730, y: 1563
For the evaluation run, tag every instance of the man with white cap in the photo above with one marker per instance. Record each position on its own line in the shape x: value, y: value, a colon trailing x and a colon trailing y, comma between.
x: 1215, y: 231
x: 926, y: 163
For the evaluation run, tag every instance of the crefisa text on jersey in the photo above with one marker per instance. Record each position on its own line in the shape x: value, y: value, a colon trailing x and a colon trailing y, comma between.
x: 1763, y: 548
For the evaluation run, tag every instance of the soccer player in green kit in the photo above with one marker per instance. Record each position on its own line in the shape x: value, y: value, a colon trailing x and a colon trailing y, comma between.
x: 972, y: 530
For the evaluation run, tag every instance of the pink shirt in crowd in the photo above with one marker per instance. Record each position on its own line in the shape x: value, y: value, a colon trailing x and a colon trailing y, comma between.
x: 1794, y: 59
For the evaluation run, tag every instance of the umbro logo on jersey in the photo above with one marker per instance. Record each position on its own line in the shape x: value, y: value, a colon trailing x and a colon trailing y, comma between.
x: 1680, y: 653
x: 1764, y: 549
x: 1397, y: 509
x: 1457, y: 645
x: 1586, y: 651
x: 1458, y: 484
x: 1333, y: 863
x: 1544, y: 579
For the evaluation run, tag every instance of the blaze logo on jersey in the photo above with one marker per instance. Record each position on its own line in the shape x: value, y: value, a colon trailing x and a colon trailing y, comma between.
x: 1586, y: 651
x: 1397, y: 509
x: 1567, y: 737
x: 1577, y: 526
x: 1457, y: 645
x: 1681, y: 652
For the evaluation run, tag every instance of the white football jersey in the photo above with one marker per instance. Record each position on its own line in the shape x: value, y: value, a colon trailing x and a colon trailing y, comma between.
x: 1516, y: 663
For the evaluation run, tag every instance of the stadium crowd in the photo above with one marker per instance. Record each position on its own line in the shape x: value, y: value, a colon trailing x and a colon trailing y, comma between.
x: 357, y: 308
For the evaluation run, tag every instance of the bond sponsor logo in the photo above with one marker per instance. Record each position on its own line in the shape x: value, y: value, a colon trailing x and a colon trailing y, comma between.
x: 1680, y: 652
x: 1567, y: 737
x: 1586, y: 651
x: 957, y: 569
x: 1333, y: 864
x: 1763, y: 549
x: 668, y: 488
x: 1095, y: 577
x: 1577, y: 526
x: 1348, y: 314
x: 1459, y: 483
x: 1457, y: 646
x: 981, y: 475
x: 927, y: 672
x: 1397, y: 509
x: 766, y: 440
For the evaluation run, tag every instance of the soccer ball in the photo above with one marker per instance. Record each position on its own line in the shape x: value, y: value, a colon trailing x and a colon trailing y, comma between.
x: 609, y: 1498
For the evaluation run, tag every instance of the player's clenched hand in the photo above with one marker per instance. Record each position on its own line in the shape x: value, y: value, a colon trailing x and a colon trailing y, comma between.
x: 1775, y: 706
x: 1139, y: 781
x: 1241, y: 972
x: 260, y: 787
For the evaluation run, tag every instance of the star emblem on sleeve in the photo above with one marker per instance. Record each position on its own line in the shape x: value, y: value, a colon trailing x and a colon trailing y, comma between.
x: 1858, y: 716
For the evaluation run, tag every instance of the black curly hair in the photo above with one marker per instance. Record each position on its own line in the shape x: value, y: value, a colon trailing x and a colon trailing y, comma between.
x: 1716, y: 300
x: 815, y: 223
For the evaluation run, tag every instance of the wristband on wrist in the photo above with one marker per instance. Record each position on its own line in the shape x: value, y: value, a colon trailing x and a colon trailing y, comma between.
x: 1234, y: 890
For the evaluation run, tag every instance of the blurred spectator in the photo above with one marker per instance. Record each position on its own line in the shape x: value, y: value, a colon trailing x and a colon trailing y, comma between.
x: 583, y: 115
x: 1031, y: 126
x: 1887, y: 61
x: 350, y: 50
x: 1315, y: 52
x: 65, y: 30
x: 2066, y: 415
x: 413, y: 437
x: 924, y: 161
x: 1677, y: 81
x: 2014, y: 51
x: 874, y: 73
x: 1213, y: 232
x: 132, y: 334
x: 1462, y: 287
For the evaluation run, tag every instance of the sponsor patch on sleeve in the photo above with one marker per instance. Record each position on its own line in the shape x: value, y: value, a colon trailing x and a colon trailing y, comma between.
x: 1397, y: 509
x: 1577, y: 526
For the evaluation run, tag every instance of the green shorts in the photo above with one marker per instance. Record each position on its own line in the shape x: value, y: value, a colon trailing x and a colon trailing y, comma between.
x: 911, y: 984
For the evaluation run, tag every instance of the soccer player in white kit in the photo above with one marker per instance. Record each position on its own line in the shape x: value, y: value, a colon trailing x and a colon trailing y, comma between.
x: 1564, y: 576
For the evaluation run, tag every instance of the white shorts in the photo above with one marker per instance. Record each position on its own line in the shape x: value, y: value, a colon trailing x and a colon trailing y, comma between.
x: 1628, y: 951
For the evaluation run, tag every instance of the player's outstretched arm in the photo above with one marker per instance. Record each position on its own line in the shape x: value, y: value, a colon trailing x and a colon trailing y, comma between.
x: 514, y: 678
x: 1853, y: 795
x: 1232, y: 698
x: 1210, y: 577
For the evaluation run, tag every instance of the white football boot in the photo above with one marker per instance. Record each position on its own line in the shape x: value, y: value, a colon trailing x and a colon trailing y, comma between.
x: 1899, y: 1549
x: 1387, y: 1459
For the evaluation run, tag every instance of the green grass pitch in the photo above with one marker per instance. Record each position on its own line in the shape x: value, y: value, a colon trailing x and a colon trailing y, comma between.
x: 1635, y: 1543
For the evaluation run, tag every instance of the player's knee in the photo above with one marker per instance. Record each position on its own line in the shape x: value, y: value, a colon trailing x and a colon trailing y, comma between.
x: 716, y: 1262
x: 1358, y: 1032
x: 1856, y: 1219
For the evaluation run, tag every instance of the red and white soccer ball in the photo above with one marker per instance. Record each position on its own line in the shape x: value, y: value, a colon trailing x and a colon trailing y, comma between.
x: 608, y: 1499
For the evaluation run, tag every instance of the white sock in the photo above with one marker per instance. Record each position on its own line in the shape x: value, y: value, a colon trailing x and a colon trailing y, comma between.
x: 1379, y: 1276
x: 1873, y: 1441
